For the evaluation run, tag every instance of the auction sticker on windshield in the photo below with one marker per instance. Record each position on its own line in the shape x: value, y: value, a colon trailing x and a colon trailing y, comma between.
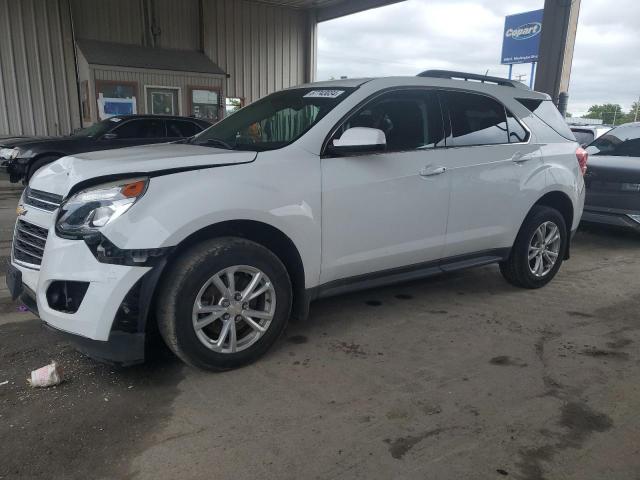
x: 324, y: 94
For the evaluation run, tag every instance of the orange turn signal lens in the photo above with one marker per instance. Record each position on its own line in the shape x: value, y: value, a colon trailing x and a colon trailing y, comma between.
x: 133, y: 190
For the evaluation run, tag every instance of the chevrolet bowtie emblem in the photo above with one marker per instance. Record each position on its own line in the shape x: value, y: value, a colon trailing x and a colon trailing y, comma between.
x: 20, y: 211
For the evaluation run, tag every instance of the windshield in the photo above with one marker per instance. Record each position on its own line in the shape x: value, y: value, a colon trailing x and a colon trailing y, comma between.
x: 275, y: 121
x: 98, y: 129
x: 620, y: 142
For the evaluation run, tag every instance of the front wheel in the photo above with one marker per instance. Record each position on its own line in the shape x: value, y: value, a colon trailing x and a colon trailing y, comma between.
x: 539, y: 249
x: 223, y: 303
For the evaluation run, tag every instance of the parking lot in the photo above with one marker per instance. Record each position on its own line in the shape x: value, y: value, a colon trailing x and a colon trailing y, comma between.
x: 456, y: 377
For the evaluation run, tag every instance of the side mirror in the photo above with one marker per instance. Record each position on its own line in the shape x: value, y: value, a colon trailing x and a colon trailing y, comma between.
x: 592, y: 150
x: 359, y: 140
x: 109, y: 136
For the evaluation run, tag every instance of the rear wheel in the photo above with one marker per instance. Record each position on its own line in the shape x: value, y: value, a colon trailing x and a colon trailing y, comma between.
x: 223, y: 303
x: 539, y: 249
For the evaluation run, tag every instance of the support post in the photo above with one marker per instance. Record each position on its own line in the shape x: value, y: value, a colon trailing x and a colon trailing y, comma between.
x: 559, y: 26
x: 532, y: 75
x: 311, y: 47
x: 510, y: 70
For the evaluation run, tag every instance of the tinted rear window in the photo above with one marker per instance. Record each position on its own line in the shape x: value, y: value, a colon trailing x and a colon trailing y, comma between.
x: 546, y: 111
x: 182, y: 128
x: 144, y: 128
x: 584, y: 137
x: 476, y: 119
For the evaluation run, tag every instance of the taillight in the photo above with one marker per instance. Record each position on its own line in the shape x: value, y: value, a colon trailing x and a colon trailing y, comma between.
x: 583, y: 158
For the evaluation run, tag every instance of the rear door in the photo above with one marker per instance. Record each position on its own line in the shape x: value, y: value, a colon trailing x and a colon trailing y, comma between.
x: 489, y: 159
x: 382, y: 211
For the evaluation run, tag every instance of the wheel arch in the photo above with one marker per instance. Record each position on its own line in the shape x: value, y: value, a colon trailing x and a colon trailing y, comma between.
x: 261, y: 233
x: 561, y: 202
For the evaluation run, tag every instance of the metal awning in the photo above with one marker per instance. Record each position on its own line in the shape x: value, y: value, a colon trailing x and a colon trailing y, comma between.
x: 330, y: 9
x: 138, y: 56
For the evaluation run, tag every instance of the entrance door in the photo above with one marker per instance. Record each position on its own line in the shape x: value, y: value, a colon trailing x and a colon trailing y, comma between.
x: 381, y: 211
x: 162, y: 101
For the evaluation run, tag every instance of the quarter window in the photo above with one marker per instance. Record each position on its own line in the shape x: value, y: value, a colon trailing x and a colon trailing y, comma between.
x: 410, y: 119
x: 476, y: 119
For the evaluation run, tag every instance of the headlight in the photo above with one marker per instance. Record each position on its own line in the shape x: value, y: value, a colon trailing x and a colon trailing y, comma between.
x: 89, y: 210
x: 8, y: 153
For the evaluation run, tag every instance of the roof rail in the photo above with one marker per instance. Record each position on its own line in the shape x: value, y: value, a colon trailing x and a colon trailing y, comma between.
x: 472, y: 76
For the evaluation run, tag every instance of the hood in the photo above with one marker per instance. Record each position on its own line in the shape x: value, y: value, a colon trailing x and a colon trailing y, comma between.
x: 32, y: 146
x: 26, y: 141
x: 614, y: 168
x: 60, y: 176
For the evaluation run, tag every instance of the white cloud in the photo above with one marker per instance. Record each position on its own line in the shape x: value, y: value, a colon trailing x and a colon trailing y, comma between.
x: 408, y: 37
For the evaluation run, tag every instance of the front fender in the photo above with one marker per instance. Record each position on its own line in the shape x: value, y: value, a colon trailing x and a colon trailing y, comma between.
x: 177, y: 206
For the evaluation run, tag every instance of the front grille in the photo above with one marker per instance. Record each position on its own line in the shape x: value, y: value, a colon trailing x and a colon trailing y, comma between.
x: 42, y: 200
x: 28, y: 243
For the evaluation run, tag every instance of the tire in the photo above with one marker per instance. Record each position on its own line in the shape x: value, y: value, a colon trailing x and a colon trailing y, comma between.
x: 186, y: 280
x: 38, y: 164
x: 518, y: 269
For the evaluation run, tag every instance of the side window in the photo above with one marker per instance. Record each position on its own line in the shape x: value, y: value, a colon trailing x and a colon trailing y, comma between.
x: 410, y: 119
x: 144, y: 128
x: 476, y: 119
x: 181, y: 128
x: 517, y: 133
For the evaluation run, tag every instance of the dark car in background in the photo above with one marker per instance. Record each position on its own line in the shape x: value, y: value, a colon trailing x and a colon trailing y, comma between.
x: 22, y: 157
x: 613, y: 178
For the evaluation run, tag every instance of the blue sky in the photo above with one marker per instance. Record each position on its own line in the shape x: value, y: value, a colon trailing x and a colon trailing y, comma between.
x: 406, y: 38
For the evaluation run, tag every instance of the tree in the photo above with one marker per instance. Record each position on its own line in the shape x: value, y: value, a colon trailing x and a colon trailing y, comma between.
x: 607, y: 112
x: 634, y: 113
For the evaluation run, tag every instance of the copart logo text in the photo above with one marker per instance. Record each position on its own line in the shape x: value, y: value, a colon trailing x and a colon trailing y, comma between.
x: 525, y: 31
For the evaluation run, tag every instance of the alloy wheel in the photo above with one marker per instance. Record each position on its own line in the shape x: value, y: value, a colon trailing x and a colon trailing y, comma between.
x: 234, y: 309
x: 544, y: 249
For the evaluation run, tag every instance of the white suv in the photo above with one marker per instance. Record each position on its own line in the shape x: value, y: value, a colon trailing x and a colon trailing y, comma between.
x: 312, y: 191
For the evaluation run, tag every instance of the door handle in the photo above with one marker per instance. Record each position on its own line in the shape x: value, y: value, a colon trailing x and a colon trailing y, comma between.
x: 520, y: 157
x: 432, y: 171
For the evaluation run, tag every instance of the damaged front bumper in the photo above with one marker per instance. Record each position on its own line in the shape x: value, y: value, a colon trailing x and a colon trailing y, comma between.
x: 86, y: 293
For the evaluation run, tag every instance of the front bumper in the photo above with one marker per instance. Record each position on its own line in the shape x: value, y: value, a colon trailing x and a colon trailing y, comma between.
x: 613, y: 217
x: 92, y: 324
x: 122, y: 348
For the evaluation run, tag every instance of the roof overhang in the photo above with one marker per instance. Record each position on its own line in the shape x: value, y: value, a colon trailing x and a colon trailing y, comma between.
x: 330, y: 9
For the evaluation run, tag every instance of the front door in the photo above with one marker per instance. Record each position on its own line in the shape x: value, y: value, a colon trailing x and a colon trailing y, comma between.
x: 387, y: 210
x: 162, y: 101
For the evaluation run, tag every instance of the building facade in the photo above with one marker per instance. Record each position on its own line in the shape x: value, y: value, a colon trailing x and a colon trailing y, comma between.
x: 65, y: 64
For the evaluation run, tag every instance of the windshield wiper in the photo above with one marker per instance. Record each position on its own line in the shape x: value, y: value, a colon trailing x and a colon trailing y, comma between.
x: 217, y: 142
